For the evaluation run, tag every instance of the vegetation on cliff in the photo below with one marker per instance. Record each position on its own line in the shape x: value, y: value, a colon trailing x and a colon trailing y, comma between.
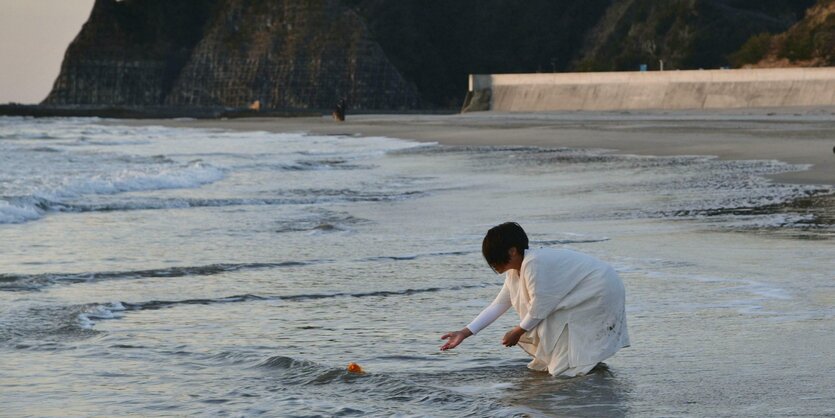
x: 809, y: 43
x: 685, y: 34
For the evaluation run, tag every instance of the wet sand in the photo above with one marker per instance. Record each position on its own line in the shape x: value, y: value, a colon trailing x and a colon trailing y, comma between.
x: 226, y: 296
x: 797, y: 136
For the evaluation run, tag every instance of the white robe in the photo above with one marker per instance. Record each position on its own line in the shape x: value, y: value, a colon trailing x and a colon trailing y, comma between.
x: 581, y: 303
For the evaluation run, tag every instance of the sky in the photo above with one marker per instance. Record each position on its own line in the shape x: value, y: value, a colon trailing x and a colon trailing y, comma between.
x: 33, y: 37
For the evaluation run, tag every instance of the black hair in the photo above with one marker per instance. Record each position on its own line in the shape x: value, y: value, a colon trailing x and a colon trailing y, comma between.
x: 500, y: 239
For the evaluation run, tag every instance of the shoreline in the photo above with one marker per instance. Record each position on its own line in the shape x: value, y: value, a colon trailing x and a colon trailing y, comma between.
x: 791, y: 135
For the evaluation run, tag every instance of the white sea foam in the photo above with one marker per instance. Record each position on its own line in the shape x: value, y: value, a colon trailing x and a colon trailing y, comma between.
x: 13, y: 214
x: 32, y: 207
x: 191, y: 175
x: 88, y: 317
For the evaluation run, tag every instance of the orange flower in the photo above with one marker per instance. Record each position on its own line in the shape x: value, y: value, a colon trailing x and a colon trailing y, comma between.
x: 354, y: 368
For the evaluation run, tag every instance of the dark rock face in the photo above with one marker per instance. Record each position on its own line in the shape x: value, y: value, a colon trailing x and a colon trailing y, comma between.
x: 130, y: 52
x: 383, y: 54
x: 437, y: 43
x: 290, y: 54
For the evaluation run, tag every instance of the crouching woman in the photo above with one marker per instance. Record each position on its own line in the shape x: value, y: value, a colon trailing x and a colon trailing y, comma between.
x: 571, y: 305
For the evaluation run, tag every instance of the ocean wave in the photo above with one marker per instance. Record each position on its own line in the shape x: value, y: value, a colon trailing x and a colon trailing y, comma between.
x: 435, y: 148
x: 415, y: 256
x: 27, y: 136
x: 691, y: 187
x: 776, y: 207
x: 13, y: 213
x: 160, y: 304
x: 28, y: 208
x: 114, y: 310
x: 381, y: 390
x: 48, y: 325
x: 19, y: 209
x: 35, y: 282
x: 28, y: 282
x: 45, y: 327
x: 303, y: 165
x: 318, y: 222
x: 90, y: 314
x: 324, y: 164
x: 568, y: 241
x: 191, y: 175
x: 114, y: 142
x: 44, y: 149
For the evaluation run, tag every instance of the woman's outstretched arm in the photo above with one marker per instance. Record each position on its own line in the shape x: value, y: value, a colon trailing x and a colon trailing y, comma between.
x: 487, y: 316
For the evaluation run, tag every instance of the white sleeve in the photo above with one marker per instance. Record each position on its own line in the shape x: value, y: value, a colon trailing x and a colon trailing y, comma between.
x: 544, y: 294
x: 491, y: 313
x: 529, y: 323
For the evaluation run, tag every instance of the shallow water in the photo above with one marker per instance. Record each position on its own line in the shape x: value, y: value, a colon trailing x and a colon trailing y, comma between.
x: 160, y: 271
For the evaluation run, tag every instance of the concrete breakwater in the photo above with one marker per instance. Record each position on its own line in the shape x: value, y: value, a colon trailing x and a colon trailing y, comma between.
x: 699, y: 89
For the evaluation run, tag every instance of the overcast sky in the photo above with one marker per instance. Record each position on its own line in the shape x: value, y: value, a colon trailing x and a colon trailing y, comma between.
x: 33, y: 37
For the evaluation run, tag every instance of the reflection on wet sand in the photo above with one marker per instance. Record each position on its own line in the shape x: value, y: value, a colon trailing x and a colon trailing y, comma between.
x: 602, y: 393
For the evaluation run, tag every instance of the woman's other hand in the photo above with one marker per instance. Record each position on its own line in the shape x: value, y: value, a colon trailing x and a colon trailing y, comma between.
x: 512, y: 337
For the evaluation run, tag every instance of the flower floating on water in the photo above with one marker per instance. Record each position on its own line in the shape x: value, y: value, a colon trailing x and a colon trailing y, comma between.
x: 355, y: 368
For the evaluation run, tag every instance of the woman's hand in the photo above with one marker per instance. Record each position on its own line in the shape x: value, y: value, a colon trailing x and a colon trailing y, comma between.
x: 454, y: 338
x: 512, y: 337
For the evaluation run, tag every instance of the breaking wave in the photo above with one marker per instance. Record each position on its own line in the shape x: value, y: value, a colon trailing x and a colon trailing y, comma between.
x: 23, y: 209
x: 19, y: 209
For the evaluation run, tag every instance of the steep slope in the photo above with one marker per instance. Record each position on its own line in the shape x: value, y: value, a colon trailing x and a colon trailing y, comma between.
x: 437, y: 43
x: 383, y: 54
x: 290, y: 54
x: 130, y: 52
x: 809, y: 43
x: 685, y: 34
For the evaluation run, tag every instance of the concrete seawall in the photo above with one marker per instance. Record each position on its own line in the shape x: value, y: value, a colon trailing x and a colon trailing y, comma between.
x: 701, y: 89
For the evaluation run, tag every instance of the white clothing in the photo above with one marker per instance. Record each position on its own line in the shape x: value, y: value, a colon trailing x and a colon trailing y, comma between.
x: 579, y: 302
x: 496, y: 309
x: 491, y: 313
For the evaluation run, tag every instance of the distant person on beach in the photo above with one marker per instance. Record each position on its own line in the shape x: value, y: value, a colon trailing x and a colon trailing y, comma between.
x: 339, y: 111
x: 571, y: 305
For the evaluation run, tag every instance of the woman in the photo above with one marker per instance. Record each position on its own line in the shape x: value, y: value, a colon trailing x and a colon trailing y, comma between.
x: 571, y: 305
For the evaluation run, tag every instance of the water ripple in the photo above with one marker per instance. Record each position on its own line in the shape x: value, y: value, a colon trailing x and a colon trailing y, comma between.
x: 29, y: 282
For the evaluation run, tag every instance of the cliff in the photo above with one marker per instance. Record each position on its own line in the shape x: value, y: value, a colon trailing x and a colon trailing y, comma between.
x: 290, y: 54
x: 437, y: 43
x: 808, y: 43
x: 383, y: 54
x: 685, y: 34
x: 130, y: 52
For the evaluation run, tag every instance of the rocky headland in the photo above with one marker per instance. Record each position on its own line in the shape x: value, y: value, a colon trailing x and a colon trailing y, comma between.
x: 382, y: 55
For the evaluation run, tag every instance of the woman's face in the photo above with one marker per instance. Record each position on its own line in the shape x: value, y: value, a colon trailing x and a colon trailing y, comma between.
x: 514, y: 263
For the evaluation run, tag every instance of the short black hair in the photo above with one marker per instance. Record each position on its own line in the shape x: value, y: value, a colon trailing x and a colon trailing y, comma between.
x: 500, y: 239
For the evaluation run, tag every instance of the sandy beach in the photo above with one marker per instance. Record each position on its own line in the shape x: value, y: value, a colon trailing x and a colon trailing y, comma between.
x: 797, y: 136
